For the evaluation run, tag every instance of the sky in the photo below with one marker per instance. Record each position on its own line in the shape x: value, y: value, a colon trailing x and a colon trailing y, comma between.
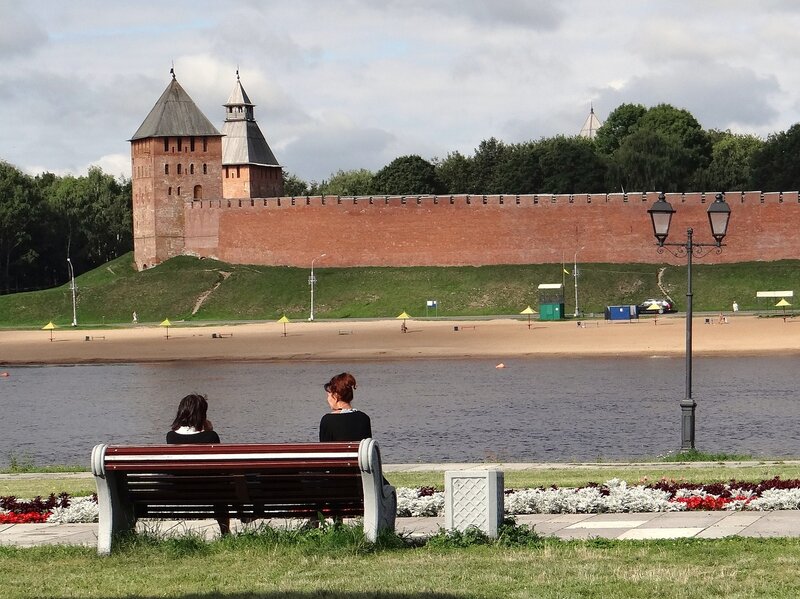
x: 350, y: 84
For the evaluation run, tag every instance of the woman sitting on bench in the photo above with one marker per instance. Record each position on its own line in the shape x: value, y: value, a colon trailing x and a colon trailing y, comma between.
x: 192, y: 426
x: 343, y: 423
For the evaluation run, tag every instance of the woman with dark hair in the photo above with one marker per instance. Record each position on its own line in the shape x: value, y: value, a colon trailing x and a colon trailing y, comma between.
x: 190, y: 424
x: 343, y: 423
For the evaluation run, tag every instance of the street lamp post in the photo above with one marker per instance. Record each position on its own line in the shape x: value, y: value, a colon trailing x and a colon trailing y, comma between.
x: 575, y: 274
x: 312, y: 280
x: 718, y: 215
x: 72, y: 286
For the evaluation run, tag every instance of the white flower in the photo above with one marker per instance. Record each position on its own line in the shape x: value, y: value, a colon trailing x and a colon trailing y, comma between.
x: 81, y: 509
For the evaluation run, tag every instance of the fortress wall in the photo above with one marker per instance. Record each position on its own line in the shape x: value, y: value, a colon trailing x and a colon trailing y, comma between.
x: 481, y: 230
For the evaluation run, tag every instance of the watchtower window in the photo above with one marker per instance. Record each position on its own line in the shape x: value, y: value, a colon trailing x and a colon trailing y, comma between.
x: 180, y: 143
x: 238, y: 172
x: 191, y: 144
x: 205, y: 144
x: 169, y: 191
x: 191, y: 169
x: 179, y: 191
x: 180, y: 169
x: 205, y: 169
x: 166, y: 144
x: 166, y: 169
x: 197, y: 194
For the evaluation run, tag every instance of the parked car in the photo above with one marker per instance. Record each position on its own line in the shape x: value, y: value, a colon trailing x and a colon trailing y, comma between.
x: 664, y: 307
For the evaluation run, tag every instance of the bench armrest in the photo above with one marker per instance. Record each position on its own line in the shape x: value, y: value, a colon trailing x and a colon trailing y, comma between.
x: 380, y: 498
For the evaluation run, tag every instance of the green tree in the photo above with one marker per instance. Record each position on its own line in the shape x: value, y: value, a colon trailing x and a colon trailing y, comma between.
x: 520, y: 171
x: 349, y: 183
x: 571, y: 165
x: 20, y: 211
x: 455, y: 173
x: 622, y: 121
x: 407, y: 175
x: 731, y: 161
x: 776, y: 165
x: 489, y: 155
x: 646, y: 160
x: 294, y: 185
x: 681, y: 126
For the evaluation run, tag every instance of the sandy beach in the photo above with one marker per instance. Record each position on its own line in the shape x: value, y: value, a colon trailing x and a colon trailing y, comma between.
x: 382, y: 339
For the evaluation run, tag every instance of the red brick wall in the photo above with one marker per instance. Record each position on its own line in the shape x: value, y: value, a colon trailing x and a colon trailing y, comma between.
x: 479, y: 230
x: 164, y: 182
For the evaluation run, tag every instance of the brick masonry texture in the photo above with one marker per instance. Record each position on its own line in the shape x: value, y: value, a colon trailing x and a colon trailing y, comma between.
x: 479, y: 230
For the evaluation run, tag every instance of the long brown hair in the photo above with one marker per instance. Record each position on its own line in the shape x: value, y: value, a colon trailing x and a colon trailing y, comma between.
x: 191, y: 412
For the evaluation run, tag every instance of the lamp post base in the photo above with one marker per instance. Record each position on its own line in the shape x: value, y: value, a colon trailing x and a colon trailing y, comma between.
x: 688, y: 407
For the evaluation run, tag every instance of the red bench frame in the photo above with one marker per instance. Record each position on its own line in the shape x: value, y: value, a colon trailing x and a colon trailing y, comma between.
x: 300, y: 480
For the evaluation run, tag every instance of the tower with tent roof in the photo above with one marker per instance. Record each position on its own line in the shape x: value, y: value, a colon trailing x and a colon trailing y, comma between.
x: 176, y: 156
x: 249, y: 168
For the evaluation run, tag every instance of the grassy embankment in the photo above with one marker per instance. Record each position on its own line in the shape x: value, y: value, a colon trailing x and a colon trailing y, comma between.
x: 109, y: 294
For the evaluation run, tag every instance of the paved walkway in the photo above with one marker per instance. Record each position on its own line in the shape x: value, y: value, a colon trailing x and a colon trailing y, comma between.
x: 659, y: 525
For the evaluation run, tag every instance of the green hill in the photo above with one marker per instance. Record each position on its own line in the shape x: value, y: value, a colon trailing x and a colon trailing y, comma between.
x: 186, y: 288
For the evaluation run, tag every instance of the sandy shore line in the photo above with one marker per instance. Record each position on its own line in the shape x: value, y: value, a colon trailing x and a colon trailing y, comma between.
x: 382, y: 339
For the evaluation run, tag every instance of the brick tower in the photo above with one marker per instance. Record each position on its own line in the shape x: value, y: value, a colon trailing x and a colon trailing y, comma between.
x: 249, y: 168
x: 176, y: 156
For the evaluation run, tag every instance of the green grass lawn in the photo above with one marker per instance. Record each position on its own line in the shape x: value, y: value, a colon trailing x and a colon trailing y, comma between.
x: 259, y: 567
x: 109, y: 294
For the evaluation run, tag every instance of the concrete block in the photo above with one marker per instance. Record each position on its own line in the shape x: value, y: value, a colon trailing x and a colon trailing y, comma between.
x: 474, y: 498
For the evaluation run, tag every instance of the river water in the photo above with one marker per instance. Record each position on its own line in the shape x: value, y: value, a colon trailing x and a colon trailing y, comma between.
x: 422, y: 410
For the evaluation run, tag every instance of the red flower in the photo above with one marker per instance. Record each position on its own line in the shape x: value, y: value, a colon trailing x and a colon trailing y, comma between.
x: 24, y: 517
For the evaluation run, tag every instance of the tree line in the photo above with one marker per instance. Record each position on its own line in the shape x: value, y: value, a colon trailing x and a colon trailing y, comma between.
x: 46, y: 219
x: 637, y: 149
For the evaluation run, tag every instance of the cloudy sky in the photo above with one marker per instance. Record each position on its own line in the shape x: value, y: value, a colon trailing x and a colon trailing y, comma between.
x: 346, y: 84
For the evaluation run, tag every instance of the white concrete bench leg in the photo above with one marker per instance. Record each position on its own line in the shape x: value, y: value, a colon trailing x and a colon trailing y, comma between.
x: 380, y: 500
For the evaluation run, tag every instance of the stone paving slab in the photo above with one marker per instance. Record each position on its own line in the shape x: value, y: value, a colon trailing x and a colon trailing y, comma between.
x: 626, y: 526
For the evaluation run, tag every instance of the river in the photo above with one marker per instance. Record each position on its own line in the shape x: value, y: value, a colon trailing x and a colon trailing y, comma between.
x: 461, y: 410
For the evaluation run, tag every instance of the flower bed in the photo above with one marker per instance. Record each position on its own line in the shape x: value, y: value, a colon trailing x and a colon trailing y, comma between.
x: 612, y: 496
x: 617, y: 496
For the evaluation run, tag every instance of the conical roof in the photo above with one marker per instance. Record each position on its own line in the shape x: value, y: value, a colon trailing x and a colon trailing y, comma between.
x: 175, y: 115
x: 243, y: 141
x: 238, y: 95
x: 591, y: 125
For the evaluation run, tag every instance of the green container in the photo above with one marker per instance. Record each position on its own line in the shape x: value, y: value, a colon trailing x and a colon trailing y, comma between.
x: 551, y: 311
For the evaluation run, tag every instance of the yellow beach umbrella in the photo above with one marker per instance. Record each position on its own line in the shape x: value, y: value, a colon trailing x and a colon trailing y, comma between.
x: 49, y: 327
x: 404, y: 316
x: 782, y: 304
x: 166, y: 323
x: 284, y: 320
x: 528, y: 311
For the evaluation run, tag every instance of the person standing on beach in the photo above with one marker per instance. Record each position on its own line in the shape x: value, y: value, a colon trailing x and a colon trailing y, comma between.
x: 343, y: 423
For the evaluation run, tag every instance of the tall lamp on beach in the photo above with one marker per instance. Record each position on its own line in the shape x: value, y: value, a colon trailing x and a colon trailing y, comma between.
x: 719, y: 213
x: 312, y: 280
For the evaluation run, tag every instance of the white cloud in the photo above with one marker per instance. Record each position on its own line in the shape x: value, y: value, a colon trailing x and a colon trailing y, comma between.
x: 356, y: 83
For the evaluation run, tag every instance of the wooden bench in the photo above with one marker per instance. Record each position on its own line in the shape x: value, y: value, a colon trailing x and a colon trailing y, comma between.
x: 184, y: 482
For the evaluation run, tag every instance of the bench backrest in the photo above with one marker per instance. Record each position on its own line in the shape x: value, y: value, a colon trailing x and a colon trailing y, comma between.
x: 242, y: 480
x: 299, y: 480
